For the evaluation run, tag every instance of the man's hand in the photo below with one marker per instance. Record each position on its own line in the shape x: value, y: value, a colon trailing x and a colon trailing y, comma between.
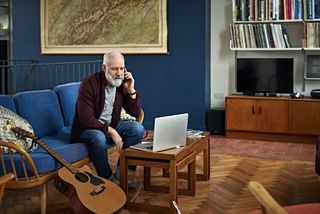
x: 129, y: 84
x: 116, y: 138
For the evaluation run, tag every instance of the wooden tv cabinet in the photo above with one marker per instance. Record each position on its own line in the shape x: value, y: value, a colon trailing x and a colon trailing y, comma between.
x: 272, y: 118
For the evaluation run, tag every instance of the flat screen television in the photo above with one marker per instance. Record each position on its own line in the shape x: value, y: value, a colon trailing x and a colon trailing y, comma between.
x: 264, y: 75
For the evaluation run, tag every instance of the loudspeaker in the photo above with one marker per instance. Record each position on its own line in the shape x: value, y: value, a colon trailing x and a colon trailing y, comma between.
x: 216, y: 121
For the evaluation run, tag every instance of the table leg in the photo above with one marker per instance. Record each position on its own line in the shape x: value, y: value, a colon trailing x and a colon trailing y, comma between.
x: 147, y: 178
x: 205, y: 175
x: 124, y: 173
x: 192, y: 177
x: 173, y: 186
x: 206, y: 161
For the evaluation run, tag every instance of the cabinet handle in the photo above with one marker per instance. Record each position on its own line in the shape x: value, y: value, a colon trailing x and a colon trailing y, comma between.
x: 259, y: 109
x: 252, y: 110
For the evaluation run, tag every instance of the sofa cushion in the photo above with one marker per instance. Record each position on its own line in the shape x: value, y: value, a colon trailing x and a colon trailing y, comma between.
x: 41, y: 109
x: 9, y: 120
x: 44, y: 162
x: 125, y: 116
x: 7, y: 102
x: 67, y: 95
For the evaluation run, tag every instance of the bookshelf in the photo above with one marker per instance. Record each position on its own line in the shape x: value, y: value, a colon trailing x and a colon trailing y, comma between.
x: 287, y: 26
x: 267, y: 24
x: 312, y: 44
x: 265, y: 36
x: 312, y: 35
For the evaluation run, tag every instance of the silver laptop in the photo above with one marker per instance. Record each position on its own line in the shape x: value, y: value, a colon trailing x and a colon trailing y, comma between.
x: 169, y: 132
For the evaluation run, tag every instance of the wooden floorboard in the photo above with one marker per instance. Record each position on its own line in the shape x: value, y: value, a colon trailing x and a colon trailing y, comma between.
x: 290, y: 182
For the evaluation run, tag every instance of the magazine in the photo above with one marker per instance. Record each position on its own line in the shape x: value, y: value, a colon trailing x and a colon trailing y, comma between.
x: 191, y: 133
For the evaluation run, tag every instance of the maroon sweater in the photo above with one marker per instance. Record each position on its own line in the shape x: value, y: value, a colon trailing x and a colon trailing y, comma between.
x: 90, y: 105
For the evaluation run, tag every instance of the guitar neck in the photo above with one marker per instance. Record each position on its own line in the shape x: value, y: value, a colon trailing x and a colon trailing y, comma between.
x: 57, y: 156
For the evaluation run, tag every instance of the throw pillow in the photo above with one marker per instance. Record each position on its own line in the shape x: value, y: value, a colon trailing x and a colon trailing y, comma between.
x: 125, y: 116
x: 8, y: 120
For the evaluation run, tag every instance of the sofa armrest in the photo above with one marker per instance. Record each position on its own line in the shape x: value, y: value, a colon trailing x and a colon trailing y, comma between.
x: 20, y: 160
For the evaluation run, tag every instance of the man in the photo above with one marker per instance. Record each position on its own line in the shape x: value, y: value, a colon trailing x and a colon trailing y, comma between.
x: 97, y: 118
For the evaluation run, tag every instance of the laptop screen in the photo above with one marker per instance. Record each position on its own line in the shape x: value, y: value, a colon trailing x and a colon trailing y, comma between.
x: 169, y: 132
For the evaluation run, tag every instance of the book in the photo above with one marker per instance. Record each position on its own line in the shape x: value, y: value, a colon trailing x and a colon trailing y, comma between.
x: 191, y: 133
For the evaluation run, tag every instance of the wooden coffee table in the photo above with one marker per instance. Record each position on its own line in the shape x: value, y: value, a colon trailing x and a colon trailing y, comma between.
x: 173, y: 160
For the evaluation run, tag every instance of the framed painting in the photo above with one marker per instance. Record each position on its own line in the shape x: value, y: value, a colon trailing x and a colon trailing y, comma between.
x: 96, y: 27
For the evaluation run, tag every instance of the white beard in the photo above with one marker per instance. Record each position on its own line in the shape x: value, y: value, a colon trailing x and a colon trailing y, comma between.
x: 113, y: 81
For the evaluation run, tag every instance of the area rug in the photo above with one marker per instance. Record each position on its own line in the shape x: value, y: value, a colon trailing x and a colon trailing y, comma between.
x: 289, y: 182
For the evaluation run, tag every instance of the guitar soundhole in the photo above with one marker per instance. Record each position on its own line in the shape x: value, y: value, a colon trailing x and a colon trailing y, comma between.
x: 82, y: 177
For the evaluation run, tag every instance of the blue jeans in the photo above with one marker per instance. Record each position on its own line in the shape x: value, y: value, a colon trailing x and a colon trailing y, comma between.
x: 131, y: 133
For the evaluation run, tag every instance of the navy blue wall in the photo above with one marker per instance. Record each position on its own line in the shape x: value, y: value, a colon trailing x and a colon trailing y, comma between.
x: 175, y: 83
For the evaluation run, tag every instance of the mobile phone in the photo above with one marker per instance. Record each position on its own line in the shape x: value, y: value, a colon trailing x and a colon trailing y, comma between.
x: 124, y: 78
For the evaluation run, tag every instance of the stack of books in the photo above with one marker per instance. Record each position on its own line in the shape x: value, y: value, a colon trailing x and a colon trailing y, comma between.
x: 195, y: 133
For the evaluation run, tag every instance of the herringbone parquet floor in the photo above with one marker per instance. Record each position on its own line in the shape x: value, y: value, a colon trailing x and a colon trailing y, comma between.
x: 289, y: 182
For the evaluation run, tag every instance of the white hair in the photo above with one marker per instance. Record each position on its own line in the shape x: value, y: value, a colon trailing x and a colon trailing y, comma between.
x: 112, y: 54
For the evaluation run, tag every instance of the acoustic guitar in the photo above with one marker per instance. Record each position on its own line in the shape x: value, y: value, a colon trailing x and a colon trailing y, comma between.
x: 88, y: 192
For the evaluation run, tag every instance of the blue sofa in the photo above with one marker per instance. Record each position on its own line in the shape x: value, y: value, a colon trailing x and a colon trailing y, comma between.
x: 50, y: 113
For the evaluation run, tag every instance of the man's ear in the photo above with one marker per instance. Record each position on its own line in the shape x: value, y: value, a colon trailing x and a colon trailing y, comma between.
x: 103, y: 67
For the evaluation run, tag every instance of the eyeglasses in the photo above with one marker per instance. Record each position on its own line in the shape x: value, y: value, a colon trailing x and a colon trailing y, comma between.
x: 117, y: 68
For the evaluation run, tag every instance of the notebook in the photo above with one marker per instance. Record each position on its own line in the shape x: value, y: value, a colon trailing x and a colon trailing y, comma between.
x: 169, y: 132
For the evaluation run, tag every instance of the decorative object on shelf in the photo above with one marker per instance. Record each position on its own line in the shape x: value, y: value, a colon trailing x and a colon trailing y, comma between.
x: 315, y: 94
x: 1, y: 26
x: 296, y: 95
x: 86, y: 27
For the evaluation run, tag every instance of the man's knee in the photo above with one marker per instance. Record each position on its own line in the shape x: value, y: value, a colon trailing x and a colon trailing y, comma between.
x: 94, y: 138
x: 138, y: 130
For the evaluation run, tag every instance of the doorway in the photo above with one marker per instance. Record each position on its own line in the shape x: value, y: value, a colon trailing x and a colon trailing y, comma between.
x: 5, y: 41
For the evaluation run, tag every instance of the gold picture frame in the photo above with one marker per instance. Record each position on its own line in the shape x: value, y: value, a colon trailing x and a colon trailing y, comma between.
x: 97, y: 27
